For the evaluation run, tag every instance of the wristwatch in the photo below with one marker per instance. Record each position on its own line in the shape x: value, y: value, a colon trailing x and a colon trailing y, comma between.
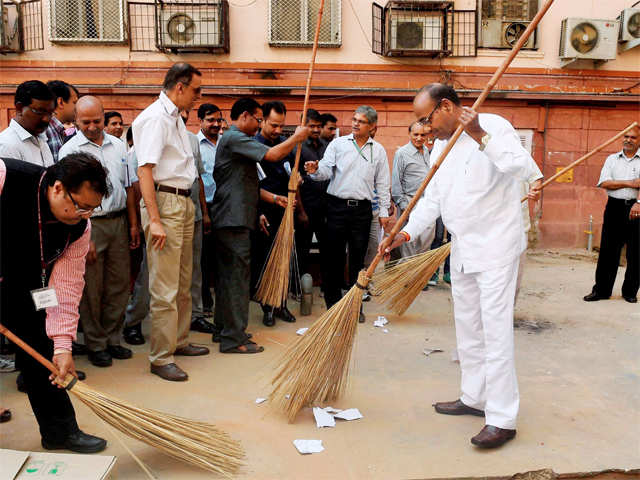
x: 484, y: 141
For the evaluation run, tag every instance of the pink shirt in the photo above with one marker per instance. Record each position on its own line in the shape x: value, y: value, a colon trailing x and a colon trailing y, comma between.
x: 67, y: 278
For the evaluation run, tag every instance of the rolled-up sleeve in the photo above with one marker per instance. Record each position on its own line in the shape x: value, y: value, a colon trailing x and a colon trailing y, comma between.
x: 326, y: 165
x: 425, y: 213
x: 506, y: 152
x: 67, y: 278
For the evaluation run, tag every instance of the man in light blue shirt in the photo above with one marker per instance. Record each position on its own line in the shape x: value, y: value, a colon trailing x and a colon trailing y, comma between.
x: 211, y: 121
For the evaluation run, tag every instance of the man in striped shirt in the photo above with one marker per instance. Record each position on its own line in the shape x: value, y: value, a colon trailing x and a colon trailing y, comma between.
x: 44, y: 244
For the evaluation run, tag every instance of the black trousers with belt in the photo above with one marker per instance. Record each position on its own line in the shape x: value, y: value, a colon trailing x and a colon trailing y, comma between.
x: 51, y: 405
x: 348, y: 224
x: 618, y: 230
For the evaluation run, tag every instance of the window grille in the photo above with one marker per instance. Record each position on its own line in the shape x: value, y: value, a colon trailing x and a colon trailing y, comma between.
x: 87, y: 21
x: 31, y: 19
x: 504, y: 21
x: 292, y: 23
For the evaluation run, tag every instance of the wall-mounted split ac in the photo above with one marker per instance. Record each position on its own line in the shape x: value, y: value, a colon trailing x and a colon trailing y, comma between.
x: 497, y: 33
x: 587, y: 38
x: 189, y: 28
x: 417, y: 33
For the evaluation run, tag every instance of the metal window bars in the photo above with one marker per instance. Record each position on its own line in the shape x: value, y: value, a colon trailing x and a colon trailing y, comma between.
x: 86, y: 21
x: 292, y: 23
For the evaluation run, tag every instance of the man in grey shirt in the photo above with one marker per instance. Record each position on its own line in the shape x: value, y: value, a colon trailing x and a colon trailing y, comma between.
x: 410, y: 167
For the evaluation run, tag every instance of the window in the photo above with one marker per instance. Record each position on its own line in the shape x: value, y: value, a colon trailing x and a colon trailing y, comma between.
x: 504, y: 21
x: 292, y: 23
x: 87, y: 21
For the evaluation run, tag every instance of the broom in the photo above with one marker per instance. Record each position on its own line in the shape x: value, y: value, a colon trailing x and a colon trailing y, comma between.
x: 399, y: 284
x: 273, y: 285
x: 197, y: 443
x: 315, y: 367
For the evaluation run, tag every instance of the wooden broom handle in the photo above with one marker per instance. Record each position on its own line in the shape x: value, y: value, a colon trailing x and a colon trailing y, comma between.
x: 588, y: 155
x: 293, y: 179
x: 454, y: 138
x: 11, y: 336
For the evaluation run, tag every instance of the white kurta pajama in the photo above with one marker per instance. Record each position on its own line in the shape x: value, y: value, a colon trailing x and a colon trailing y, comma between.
x: 478, y: 196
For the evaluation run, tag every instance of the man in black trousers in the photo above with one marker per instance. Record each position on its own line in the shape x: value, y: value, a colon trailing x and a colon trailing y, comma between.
x: 234, y: 216
x: 620, y: 176
x: 44, y: 236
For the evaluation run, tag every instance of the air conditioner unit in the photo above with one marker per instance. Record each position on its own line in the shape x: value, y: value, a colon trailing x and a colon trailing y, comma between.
x: 497, y: 33
x: 416, y: 33
x: 9, y: 27
x: 587, y: 38
x: 629, y: 25
x: 182, y: 27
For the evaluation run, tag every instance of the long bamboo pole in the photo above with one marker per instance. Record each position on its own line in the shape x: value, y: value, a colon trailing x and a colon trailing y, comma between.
x: 588, y: 155
x: 454, y: 138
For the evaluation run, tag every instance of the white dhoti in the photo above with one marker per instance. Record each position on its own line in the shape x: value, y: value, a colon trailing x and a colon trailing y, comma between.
x: 483, y: 309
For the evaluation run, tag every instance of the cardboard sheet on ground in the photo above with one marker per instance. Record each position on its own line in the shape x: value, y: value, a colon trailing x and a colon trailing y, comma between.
x: 17, y: 465
x: 308, y: 446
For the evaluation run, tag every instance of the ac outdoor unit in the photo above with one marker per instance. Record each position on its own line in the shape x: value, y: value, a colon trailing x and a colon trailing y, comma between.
x: 629, y: 25
x: 498, y: 33
x: 182, y: 28
x: 416, y: 33
x: 9, y: 28
x: 587, y: 38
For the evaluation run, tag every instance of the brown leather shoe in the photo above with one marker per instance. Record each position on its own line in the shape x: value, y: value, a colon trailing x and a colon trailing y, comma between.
x: 492, y: 437
x: 191, y: 351
x: 457, y: 408
x: 170, y: 372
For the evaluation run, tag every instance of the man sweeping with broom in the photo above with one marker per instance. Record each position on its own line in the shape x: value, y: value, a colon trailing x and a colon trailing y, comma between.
x: 44, y: 235
x: 477, y: 193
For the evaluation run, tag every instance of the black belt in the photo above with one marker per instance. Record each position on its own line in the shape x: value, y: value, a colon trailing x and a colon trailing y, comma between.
x: 185, y: 192
x: 110, y: 215
x: 627, y: 202
x: 349, y: 202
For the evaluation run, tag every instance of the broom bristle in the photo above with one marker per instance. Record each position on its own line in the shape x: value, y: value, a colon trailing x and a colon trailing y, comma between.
x: 399, y: 285
x: 273, y: 286
x: 197, y: 443
x: 315, y: 368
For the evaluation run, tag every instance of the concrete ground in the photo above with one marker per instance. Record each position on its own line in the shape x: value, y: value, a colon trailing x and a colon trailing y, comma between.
x: 578, y: 373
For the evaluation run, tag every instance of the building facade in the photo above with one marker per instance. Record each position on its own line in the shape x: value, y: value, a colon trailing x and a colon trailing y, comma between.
x: 575, y: 85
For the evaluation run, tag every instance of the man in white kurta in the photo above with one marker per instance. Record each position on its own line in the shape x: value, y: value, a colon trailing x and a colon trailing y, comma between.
x: 477, y: 193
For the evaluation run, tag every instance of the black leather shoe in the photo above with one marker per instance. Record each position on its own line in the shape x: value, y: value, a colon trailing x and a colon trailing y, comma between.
x: 457, y: 408
x: 81, y: 375
x: 361, y: 318
x: 594, y: 297
x: 20, y: 383
x: 78, y: 442
x: 133, y: 335
x: 101, y: 358
x: 492, y: 437
x: 631, y: 299
x: 78, y: 349
x: 284, y: 314
x: 268, y: 319
x: 119, y: 352
x: 201, y: 325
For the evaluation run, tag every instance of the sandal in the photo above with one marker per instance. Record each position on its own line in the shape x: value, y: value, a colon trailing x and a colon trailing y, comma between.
x: 249, y: 347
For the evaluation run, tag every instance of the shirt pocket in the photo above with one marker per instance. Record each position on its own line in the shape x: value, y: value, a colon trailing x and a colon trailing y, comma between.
x: 478, y: 174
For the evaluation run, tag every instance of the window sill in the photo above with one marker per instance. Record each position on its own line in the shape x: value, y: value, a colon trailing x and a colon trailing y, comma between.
x: 494, y: 52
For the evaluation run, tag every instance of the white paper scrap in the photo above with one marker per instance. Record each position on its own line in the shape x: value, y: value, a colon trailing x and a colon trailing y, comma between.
x: 302, y: 331
x: 308, y: 446
x: 323, y: 419
x: 331, y: 410
x: 260, y: 400
x: 349, y: 414
x: 429, y: 351
x: 380, y: 322
x: 386, y: 330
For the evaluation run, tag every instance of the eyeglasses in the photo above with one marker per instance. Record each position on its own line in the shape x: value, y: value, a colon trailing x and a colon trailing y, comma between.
x: 220, y: 120
x: 82, y: 211
x: 359, y: 122
x: 427, y: 120
x: 40, y: 113
x: 259, y: 120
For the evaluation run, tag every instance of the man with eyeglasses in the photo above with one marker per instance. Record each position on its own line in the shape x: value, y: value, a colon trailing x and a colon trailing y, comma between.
x: 477, y: 191
x: 25, y: 139
x: 357, y: 167
x: 234, y: 216
x: 166, y: 173
x: 114, y: 232
x: 45, y: 238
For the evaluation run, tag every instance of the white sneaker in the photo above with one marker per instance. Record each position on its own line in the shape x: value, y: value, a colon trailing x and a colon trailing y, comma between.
x: 7, y: 365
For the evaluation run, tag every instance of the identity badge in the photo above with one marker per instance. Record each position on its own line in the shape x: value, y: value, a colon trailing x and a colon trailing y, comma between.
x: 44, y: 298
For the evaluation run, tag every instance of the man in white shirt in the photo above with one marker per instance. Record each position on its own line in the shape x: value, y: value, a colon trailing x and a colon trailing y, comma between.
x: 477, y: 193
x: 356, y: 165
x: 166, y: 173
x: 24, y: 139
x: 620, y: 177
x: 114, y: 232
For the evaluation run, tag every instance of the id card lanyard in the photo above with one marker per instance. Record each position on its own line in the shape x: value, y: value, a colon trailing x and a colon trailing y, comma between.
x: 360, y: 150
x: 43, y: 264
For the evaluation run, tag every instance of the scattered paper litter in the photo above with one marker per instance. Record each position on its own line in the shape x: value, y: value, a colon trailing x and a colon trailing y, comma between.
x: 308, y: 446
x: 287, y: 396
x: 323, y: 418
x: 386, y: 330
x: 260, y: 400
x: 331, y: 410
x: 302, y: 331
x: 429, y: 351
x: 380, y: 322
x: 349, y: 414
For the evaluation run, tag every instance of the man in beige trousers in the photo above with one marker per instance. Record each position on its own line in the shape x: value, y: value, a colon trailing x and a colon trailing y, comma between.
x: 166, y: 172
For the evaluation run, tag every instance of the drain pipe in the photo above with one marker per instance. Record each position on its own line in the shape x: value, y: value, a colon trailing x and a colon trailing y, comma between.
x: 590, y: 234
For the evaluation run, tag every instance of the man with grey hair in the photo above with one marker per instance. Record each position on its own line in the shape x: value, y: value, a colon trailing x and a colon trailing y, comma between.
x: 356, y: 165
